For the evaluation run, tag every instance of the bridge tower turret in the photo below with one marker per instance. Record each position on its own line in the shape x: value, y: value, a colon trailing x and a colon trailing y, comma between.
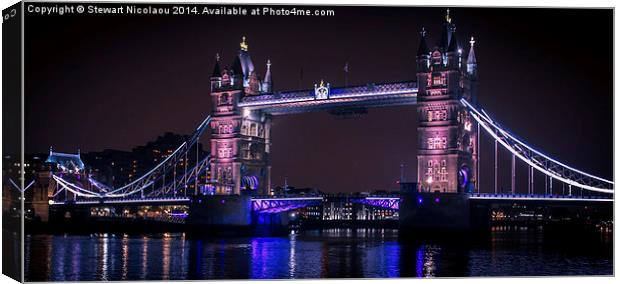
x: 240, y: 137
x: 471, y: 74
x: 470, y: 93
x: 422, y: 57
x: 267, y: 82
x: 216, y: 76
x: 445, y: 150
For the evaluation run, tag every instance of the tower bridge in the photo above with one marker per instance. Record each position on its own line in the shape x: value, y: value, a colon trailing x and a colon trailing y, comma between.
x: 450, y: 124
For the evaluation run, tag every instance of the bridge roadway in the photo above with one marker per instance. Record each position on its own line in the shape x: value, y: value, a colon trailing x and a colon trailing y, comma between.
x: 278, y: 204
x: 509, y: 197
x: 259, y: 204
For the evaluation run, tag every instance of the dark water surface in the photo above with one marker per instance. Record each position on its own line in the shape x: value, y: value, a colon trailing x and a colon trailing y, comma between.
x: 339, y: 253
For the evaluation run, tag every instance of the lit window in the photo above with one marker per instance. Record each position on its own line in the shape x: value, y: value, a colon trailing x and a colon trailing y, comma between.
x: 224, y: 152
x: 224, y: 99
x: 437, y: 80
x: 253, y: 129
x: 441, y: 114
x: 443, y: 174
x: 436, y: 143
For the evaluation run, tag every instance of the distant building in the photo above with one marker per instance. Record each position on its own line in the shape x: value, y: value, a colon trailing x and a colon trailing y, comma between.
x: 117, y: 168
x: 291, y: 190
x: 311, y: 213
x: 35, y: 181
x: 346, y: 207
x: 64, y: 162
x: 113, y: 168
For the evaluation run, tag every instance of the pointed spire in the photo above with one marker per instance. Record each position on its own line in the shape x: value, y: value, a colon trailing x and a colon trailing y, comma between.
x: 422, y: 48
x: 444, y: 40
x: 245, y: 66
x: 78, y: 153
x: 51, y: 150
x: 267, y: 83
x: 217, y: 72
x: 471, y: 58
x: 243, y: 44
x: 236, y: 66
x: 453, y: 46
x: 446, y: 33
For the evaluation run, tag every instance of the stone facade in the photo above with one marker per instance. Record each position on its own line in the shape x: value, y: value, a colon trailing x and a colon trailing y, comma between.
x: 240, y: 138
x: 447, y: 135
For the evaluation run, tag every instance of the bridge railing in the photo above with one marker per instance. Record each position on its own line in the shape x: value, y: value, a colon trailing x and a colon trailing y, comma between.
x: 538, y: 196
x: 335, y: 92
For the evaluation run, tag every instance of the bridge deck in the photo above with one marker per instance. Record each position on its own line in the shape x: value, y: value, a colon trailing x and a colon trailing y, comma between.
x: 538, y: 197
x: 112, y: 201
x: 371, y: 95
x: 392, y: 202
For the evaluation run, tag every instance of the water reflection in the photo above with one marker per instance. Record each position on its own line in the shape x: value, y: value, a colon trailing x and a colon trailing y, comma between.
x: 125, y: 256
x: 58, y: 253
x: 145, y: 259
x: 104, y: 257
x: 76, y: 252
x: 341, y: 253
x: 291, y: 259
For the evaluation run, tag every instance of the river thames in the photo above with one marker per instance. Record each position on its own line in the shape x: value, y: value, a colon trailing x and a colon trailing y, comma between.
x: 325, y: 253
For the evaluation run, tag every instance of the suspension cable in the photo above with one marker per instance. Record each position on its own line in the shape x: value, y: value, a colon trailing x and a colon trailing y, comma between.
x: 491, y: 127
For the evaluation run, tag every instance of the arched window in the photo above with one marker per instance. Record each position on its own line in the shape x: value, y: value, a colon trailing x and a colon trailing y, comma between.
x: 224, y: 99
x: 253, y: 129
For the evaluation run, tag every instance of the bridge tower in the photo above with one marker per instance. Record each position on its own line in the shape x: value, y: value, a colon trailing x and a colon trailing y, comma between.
x: 240, y: 137
x: 447, y: 157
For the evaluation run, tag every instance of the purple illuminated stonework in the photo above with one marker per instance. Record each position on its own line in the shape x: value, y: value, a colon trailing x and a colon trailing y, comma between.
x: 277, y: 205
x: 240, y: 137
x: 446, y: 133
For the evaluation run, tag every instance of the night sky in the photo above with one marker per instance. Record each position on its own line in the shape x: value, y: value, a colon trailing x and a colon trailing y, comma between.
x: 115, y: 82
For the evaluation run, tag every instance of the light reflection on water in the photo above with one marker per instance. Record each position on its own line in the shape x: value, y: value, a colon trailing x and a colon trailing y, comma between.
x: 331, y: 253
